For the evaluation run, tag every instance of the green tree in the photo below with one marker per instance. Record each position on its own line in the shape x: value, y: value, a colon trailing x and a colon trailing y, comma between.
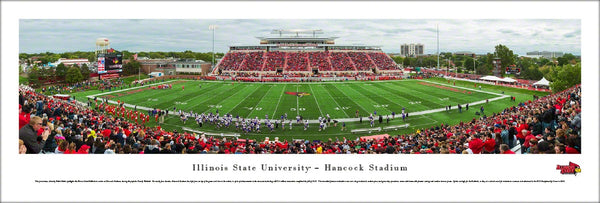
x: 85, y: 72
x: 131, y: 68
x: 505, y: 54
x: 33, y: 76
x: 188, y: 54
x: 531, y: 73
x: 468, y: 64
x: 565, y: 59
x: 396, y: 59
x: 61, y: 70
x: 73, y: 75
x: 564, y: 77
x: 406, y: 61
x: 156, y: 55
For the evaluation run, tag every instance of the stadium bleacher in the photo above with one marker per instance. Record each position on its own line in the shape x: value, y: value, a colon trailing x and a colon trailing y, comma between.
x: 253, y: 61
x: 383, y: 61
x: 299, y: 61
x: 361, y: 61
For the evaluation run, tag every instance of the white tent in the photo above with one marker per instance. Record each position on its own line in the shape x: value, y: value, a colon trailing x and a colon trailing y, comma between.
x: 508, y: 80
x: 542, y: 82
x: 490, y: 78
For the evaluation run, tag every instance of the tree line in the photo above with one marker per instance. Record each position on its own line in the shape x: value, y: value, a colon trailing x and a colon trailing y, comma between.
x: 563, y: 72
x: 37, y: 75
x: 91, y: 56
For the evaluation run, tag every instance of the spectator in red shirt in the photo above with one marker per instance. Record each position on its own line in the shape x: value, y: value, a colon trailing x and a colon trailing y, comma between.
x: 505, y: 150
x: 476, y: 145
x: 24, y: 116
x: 489, y: 144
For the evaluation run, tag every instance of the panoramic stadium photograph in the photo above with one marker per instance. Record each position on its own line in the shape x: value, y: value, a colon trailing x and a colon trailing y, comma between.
x: 306, y: 86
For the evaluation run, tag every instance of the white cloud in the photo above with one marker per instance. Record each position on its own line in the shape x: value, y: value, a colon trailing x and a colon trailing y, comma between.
x: 479, y: 36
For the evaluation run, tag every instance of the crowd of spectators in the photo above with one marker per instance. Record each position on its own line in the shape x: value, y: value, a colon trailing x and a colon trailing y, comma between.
x: 361, y: 61
x: 297, y: 61
x: 383, y: 61
x: 341, y: 62
x: 232, y: 61
x: 301, y: 61
x: 546, y: 125
x: 253, y: 61
x: 320, y: 60
x: 275, y: 60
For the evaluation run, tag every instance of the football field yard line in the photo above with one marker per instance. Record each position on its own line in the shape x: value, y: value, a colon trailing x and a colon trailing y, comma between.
x: 242, y: 101
x: 316, y: 100
x: 279, y: 101
x: 497, y: 94
x: 225, y: 99
x: 315, y: 97
x: 454, y: 96
x: 341, y: 107
x: 297, y: 101
x: 270, y: 87
x: 349, y: 98
x: 175, y: 99
x: 412, y: 90
x: 205, y: 92
x: 131, y: 88
x: 199, y: 102
x: 163, y: 98
x: 391, y: 101
x: 406, y: 99
x: 373, y: 101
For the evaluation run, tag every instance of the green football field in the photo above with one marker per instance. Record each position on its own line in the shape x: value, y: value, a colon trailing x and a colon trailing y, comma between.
x: 423, y: 100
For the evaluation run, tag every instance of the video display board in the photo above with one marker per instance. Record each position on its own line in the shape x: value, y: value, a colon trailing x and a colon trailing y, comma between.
x: 110, y: 63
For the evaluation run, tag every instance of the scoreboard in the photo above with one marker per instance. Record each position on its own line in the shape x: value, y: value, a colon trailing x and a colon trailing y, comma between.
x: 110, y: 63
x: 513, y: 69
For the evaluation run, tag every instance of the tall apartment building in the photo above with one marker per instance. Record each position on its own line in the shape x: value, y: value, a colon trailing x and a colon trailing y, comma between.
x: 412, y: 49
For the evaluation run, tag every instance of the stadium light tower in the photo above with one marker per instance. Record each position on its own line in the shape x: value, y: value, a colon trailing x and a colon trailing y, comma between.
x: 213, y: 28
x: 438, y: 45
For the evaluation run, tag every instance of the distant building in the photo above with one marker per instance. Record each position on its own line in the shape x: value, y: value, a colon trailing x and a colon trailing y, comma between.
x: 70, y: 62
x: 411, y: 50
x: 465, y: 53
x: 544, y: 54
x: 174, y: 66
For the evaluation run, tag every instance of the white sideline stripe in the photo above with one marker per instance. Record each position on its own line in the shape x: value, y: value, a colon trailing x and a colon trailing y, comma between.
x: 212, y: 134
x: 498, y: 94
x: 396, y: 126
x: 132, y: 88
x: 366, y: 129
x: 342, y: 119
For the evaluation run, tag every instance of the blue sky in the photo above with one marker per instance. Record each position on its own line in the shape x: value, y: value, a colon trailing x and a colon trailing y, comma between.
x: 474, y: 35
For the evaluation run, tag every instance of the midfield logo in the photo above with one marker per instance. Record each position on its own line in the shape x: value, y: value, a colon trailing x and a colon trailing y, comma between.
x: 572, y: 168
x: 299, y: 94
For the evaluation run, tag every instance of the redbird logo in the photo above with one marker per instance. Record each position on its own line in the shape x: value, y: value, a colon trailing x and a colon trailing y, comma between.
x: 572, y: 168
x: 299, y: 94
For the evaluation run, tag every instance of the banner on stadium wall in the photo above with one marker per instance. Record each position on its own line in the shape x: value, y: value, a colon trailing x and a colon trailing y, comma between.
x: 110, y: 75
